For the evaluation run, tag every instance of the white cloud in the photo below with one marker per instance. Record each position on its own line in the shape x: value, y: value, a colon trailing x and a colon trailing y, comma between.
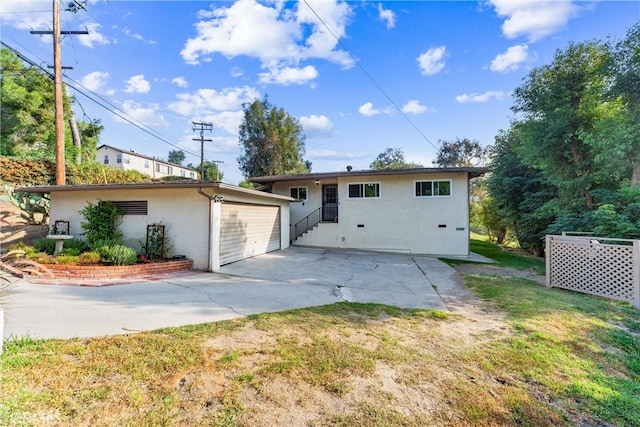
x: 94, y: 36
x: 413, y: 106
x: 534, y: 19
x: 212, y: 102
x: 280, y: 37
x: 95, y: 81
x: 367, y: 109
x: 137, y: 84
x: 127, y: 32
x: 387, y: 16
x: 481, y: 98
x: 289, y: 75
x: 14, y: 14
x: 511, y: 59
x: 36, y: 15
x: 316, y: 125
x: 180, y: 82
x: 149, y: 114
x: 432, y: 61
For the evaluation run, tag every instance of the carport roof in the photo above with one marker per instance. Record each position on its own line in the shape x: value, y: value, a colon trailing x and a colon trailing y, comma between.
x: 218, y: 186
x: 473, y: 172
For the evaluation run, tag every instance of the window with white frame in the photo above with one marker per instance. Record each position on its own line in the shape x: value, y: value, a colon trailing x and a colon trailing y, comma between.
x: 299, y: 193
x: 192, y: 175
x: 166, y: 169
x: 183, y: 172
x: 106, y: 159
x: 118, y: 158
x: 126, y: 159
x: 367, y: 190
x: 146, y: 164
x: 433, y: 188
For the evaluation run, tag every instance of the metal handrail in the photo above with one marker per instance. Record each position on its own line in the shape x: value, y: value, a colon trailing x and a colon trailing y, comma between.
x: 307, y: 223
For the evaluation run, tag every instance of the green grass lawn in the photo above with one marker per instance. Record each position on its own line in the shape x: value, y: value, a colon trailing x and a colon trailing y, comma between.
x: 531, y: 356
x: 504, y: 257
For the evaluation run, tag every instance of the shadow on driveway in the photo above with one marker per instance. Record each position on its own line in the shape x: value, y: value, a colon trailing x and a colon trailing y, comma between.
x: 281, y: 280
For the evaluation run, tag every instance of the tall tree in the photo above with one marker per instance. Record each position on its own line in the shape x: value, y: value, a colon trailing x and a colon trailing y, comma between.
x: 520, y: 193
x: 559, y: 105
x: 176, y: 156
x: 90, y: 137
x: 623, y: 130
x: 460, y: 153
x: 272, y: 141
x: 27, y: 125
x: 392, y: 158
x: 27, y: 128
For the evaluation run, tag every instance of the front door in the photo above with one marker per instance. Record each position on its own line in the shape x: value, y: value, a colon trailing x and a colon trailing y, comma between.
x: 330, y: 202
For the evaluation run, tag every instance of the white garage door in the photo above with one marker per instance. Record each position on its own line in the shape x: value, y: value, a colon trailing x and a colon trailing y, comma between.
x: 248, y: 230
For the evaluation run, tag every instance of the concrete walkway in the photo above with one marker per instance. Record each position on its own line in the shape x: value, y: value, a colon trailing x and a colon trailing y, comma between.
x: 282, y: 280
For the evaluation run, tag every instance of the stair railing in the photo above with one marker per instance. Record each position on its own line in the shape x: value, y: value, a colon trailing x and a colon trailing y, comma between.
x: 307, y: 223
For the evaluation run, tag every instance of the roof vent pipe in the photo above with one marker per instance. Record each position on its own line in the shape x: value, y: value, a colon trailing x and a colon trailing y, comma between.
x: 349, y: 168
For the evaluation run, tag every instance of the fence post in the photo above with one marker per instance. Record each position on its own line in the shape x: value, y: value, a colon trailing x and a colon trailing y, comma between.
x: 636, y: 274
x: 547, y: 251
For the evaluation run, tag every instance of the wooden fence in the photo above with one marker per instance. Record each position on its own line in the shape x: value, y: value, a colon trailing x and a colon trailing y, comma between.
x: 598, y: 266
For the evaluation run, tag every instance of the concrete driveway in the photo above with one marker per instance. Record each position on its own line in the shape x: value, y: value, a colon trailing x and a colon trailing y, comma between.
x: 282, y: 280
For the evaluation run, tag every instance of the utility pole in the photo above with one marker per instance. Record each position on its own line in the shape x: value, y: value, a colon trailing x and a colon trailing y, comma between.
x: 58, y: 90
x: 202, y: 126
x: 61, y: 176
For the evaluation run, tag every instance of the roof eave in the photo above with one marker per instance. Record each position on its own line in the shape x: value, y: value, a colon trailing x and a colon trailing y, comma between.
x: 473, y: 172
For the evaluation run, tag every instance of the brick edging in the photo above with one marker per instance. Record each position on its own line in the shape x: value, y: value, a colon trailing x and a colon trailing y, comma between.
x: 117, y: 271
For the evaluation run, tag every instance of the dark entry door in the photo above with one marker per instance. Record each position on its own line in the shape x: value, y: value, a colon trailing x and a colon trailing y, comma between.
x: 330, y: 202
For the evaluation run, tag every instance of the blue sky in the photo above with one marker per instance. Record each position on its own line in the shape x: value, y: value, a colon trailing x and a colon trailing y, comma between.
x: 361, y: 76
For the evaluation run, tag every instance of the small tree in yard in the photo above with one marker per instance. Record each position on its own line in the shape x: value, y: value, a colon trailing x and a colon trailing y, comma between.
x: 100, y: 222
x: 392, y: 158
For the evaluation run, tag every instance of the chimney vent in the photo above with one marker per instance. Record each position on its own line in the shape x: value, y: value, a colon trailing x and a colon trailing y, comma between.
x: 349, y: 168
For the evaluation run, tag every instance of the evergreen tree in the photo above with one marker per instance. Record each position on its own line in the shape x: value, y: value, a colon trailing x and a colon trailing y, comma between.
x: 272, y: 141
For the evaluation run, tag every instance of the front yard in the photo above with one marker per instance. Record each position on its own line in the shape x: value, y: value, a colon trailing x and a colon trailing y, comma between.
x: 522, y: 355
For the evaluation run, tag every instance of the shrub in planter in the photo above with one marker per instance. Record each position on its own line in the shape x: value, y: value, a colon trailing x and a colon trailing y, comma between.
x: 42, y: 258
x: 70, y: 251
x: 45, y: 245
x: 75, y: 244
x: 89, y: 258
x: 95, y: 246
x: 118, y: 254
x: 21, y: 246
x: 68, y: 259
x: 100, y: 221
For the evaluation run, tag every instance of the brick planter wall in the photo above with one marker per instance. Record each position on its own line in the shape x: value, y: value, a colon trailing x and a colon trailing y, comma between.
x: 100, y: 272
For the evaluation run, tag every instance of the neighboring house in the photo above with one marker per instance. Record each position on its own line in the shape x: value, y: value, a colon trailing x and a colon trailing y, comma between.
x: 130, y: 160
x: 210, y: 223
x: 421, y: 211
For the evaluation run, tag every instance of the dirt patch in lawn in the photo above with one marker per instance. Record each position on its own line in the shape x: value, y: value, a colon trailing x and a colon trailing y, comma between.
x: 499, y: 271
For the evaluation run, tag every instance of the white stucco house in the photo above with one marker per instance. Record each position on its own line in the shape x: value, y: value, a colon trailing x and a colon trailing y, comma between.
x: 210, y: 223
x: 131, y: 160
x: 419, y: 211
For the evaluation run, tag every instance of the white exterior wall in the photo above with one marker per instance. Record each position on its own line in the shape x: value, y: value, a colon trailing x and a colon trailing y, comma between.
x: 184, y: 212
x: 397, y: 221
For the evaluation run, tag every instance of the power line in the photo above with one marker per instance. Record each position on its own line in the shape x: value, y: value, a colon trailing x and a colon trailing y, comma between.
x: 119, y: 113
x: 375, y: 83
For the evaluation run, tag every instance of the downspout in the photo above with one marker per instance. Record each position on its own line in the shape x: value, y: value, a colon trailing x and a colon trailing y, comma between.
x: 210, y: 238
